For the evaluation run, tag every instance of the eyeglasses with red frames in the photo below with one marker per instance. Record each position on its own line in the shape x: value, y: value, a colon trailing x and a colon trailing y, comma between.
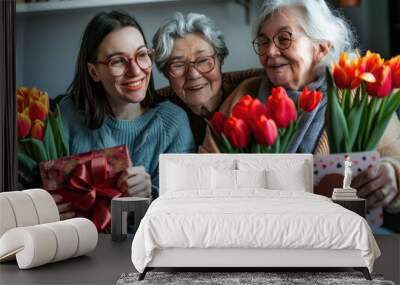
x: 118, y: 65
x: 203, y: 64
x: 282, y: 40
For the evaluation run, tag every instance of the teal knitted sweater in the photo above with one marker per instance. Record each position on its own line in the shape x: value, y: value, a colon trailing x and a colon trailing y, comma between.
x: 162, y: 129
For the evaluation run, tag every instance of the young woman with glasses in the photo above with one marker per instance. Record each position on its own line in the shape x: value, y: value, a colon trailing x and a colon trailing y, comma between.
x: 190, y: 51
x: 112, y: 102
x: 295, y: 41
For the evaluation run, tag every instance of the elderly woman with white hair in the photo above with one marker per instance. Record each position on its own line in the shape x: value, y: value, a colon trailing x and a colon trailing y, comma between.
x: 295, y: 41
x: 190, y: 51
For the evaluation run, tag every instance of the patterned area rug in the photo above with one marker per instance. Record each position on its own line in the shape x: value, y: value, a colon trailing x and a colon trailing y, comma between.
x: 242, y: 278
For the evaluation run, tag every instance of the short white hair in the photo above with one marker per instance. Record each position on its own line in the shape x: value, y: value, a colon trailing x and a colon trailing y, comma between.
x: 178, y: 27
x: 319, y: 22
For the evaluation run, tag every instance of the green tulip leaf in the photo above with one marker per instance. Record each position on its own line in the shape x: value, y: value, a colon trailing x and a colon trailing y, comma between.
x: 276, y: 146
x: 377, y: 133
x: 286, y: 137
x: 371, y: 109
x: 21, y: 148
x: 27, y: 162
x: 59, y: 134
x: 38, y: 150
x: 28, y: 172
x: 392, y: 104
x: 48, y: 140
x: 346, y: 102
x: 358, y: 146
x: 336, y: 122
x: 353, y: 121
x: 227, y: 145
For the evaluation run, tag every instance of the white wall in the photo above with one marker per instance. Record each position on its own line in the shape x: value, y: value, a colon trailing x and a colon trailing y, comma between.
x: 48, y: 42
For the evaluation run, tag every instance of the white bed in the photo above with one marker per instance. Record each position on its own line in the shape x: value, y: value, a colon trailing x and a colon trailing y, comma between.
x: 247, y: 210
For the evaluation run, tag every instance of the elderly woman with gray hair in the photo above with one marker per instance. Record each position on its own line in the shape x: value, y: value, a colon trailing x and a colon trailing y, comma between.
x: 295, y: 41
x: 190, y: 51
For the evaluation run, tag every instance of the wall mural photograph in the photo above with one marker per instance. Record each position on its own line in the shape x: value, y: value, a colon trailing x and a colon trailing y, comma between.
x: 143, y: 140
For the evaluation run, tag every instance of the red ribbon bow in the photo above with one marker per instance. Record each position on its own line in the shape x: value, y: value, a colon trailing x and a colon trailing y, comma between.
x: 92, y: 179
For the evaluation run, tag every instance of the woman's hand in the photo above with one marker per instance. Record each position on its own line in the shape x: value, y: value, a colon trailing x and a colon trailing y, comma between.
x: 377, y: 185
x: 64, y: 209
x: 135, y: 181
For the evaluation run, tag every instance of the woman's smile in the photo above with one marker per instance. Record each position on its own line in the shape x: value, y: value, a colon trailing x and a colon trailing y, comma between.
x: 196, y: 87
x: 135, y: 85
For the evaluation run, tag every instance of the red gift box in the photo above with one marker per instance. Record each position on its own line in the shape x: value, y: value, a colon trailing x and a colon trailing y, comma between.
x: 87, y: 180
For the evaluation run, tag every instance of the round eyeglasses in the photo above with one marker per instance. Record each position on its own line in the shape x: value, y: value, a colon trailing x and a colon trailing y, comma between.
x: 282, y: 40
x: 202, y: 64
x: 118, y: 65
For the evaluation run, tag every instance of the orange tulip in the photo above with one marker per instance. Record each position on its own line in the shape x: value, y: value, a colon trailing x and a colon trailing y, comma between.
x: 349, y: 74
x: 23, y: 125
x: 371, y: 61
x: 383, y: 85
x: 342, y: 71
x: 360, y: 73
x: 309, y: 99
x: 38, y: 129
x: 394, y: 64
x: 38, y: 110
x: 36, y: 94
x: 281, y: 108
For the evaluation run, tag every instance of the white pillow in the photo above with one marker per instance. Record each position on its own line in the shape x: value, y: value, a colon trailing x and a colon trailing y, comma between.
x: 185, y: 177
x: 224, y: 179
x: 281, y: 174
x: 293, y: 180
x: 251, y: 178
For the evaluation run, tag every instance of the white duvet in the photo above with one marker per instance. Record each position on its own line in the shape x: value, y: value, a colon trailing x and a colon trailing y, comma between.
x: 251, y: 218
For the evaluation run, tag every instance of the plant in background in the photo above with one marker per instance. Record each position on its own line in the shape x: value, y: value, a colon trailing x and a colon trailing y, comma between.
x: 361, y: 100
x: 40, y: 134
x: 257, y: 128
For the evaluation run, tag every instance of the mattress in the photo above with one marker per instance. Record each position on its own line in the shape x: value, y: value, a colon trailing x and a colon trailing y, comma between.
x: 251, y: 219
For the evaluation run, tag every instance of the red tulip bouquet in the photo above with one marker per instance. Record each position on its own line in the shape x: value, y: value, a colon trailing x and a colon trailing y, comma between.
x: 257, y: 128
x: 361, y: 100
x: 40, y: 134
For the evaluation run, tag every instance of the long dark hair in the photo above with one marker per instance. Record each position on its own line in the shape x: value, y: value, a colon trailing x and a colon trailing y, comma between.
x: 88, y: 95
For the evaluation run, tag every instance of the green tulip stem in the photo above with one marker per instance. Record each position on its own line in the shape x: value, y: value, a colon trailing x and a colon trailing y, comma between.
x: 371, y: 113
x: 381, y: 109
x: 346, y: 101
